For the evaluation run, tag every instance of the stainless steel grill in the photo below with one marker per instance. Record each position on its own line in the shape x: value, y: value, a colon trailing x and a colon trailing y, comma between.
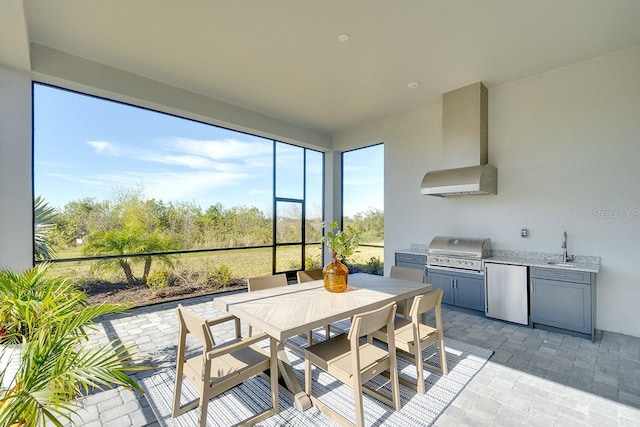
x: 458, y: 253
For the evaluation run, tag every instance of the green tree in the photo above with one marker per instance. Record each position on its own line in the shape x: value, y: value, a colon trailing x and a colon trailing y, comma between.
x: 79, y: 218
x: 136, y: 231
x: 181, y: 221
x: 369, y: 224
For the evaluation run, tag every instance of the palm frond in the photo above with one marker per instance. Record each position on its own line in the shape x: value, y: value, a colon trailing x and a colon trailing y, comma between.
x: 59, y: 362
x: 44, y: 217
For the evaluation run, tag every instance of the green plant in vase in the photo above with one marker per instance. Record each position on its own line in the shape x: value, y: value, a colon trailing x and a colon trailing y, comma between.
x: 47, y: 321
x: 342, y: 244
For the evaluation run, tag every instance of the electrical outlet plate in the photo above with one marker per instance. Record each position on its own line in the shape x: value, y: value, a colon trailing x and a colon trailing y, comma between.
x: 524, y: 233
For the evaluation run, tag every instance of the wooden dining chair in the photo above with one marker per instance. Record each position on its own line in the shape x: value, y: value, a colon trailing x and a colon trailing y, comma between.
x: 412, y: 336
x: 266, y: 282
x: 354, y: 362
x: 220, y: 367
x: 406, y: 273
x: 308, y: 276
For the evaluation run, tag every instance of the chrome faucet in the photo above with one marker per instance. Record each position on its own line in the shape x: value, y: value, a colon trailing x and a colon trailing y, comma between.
x: 565, y: 256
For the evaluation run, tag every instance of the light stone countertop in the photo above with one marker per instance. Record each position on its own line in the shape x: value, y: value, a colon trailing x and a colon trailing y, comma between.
x: 414, y: 251
x: 586, y: 263
x: 537, y: 262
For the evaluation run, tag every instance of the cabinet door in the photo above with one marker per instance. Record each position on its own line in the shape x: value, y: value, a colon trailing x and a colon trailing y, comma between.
x: 410, y: 260
x: 443, y: 281
x: 469, y: 292
x: 564, y: 305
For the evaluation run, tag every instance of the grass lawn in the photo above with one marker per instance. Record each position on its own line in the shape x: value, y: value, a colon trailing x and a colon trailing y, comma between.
x: 243, y: 263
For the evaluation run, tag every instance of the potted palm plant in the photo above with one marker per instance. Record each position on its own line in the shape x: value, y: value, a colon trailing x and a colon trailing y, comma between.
x: 47, y: 320
x: 342, y: 244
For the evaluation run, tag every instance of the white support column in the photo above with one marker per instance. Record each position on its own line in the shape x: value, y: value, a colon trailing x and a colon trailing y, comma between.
x: 333, y: 191
x: 16, y: 182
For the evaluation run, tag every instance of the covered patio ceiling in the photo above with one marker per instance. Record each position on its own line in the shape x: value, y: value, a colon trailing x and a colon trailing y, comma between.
x: 285, y: 58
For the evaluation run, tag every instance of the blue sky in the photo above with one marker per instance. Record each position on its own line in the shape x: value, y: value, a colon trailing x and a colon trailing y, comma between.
x: 88, y: 147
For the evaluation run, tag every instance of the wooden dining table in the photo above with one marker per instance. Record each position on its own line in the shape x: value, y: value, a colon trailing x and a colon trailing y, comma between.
x: 287, y: 311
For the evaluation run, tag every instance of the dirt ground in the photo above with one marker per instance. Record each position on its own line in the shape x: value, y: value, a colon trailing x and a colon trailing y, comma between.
x: 141, y: 295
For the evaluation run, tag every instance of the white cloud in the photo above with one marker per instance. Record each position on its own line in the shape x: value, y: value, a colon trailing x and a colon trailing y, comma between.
x: 77, y: 179
x: 256, y: 192
x: 177, y: 185
x: 221, y: 149
x: 104, y: 147
x: 191, y: 169
x: 219, y: 155
x: 193, y: 162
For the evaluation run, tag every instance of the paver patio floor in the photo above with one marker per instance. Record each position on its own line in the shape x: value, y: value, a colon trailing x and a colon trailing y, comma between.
x: 534, y: 378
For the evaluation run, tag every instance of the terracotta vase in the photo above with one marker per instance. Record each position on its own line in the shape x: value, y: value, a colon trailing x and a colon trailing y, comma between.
x: 335, y: 275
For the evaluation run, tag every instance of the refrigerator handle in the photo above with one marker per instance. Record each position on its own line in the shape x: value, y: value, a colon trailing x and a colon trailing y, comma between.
x: 486, y: 289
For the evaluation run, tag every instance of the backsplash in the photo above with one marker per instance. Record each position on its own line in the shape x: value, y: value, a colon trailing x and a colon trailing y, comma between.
x: 419, y: 247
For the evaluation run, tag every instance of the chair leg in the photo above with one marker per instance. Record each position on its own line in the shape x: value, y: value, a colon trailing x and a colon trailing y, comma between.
x: 357, y: 394
x: 177, y: 392
x: 177, y: 389
x: 310, y: 338
x: 443, y: 355
x: 327, y: 331
x: 419, y: 368
x: 307, y: 376
x: 202, y: 410
x: 395, y: 382
x: 274, y: 375
x: 250, y: 330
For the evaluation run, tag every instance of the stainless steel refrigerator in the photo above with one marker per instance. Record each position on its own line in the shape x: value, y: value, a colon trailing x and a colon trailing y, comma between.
x: 507, y: 292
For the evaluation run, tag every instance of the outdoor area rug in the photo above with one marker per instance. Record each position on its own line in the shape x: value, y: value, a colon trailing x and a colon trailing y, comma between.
x: 464, y: 362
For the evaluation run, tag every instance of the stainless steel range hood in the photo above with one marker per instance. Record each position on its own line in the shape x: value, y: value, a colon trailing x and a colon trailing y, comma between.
x: 464, y: 146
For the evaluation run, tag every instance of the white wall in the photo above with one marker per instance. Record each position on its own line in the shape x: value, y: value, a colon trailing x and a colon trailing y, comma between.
x: 16, y: 199
x: 567, y: 148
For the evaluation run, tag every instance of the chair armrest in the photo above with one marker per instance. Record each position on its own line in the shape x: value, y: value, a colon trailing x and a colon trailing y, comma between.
x: 227, y: 318
x: 222, y: 319
x: 244, y: 342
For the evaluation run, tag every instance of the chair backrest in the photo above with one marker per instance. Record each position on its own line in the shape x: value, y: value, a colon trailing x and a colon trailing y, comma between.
x: 196, y: 325
x: 406, y: 273
x: 267, y: 282
x: 309, y: 275
x: 366, y: 323
x: 423, y: 303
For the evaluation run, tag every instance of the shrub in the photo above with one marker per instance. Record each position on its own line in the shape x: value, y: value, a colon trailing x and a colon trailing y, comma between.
x: 223, y: 275
x: 312, y: 263
x: 158, y: 280
x: 373, y: 266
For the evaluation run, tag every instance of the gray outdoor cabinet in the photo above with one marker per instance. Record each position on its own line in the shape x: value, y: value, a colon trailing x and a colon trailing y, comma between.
x: 459, y: 289
x: 564, y: 300
x: 411, y: 260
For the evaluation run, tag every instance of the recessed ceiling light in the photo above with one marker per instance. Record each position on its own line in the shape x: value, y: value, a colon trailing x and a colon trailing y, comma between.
x: 343, y: 37
x: 413, y: 85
